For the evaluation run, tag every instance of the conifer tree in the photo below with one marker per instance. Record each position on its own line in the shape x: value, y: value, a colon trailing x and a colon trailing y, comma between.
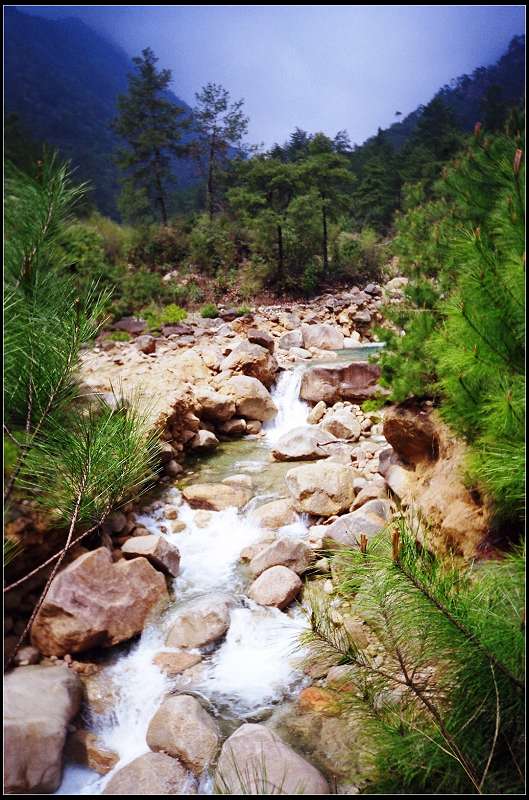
x: 151, y: 126
x: 74, y: 457
x: 376, y: 195
x: 439, y: 701
x: 266, y: 189
x: 220, y: 126
x: 327, y: 173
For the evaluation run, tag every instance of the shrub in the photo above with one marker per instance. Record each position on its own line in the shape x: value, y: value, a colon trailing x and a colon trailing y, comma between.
x: 119, y: 336
x: 161, y: 249
x: 209, y: 311
x: 243, y: 310
x: 170, y: 314
x: 212, y: 245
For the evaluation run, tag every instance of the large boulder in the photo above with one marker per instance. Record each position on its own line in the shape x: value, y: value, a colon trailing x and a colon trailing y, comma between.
x: 254, y: 760
x: 324, y: 337
x: 276, y: 586
x: 356, y: 381
x: 252, y: 360
x: 95, y: 602
x: 252, y: 398
x: 291, y: 339
x: 83, y: 747
x: 215, y: 496
x: 302, y: 444
x: 290, y: 553
x: 342, y: 423
x: 200, y: 622
x: 39, y: 703
x: 184, y: 730
x: 151, y: 773
x: 204, y: 440
x: 262, y: 338
x: 322, y: 489
x: 369, y: 519
x: 274, y: 515
x: 412, y: 433
x: 157, y: 550
x: 215, y: 406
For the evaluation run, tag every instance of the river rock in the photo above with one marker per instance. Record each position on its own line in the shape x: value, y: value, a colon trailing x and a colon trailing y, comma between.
x: 356, y: 381
x: 290, y: 553
x: 94, y: 602
x: 39, y: 703
x: 215, y: 496
x: 175, y: 663
x: 146, y: 344
x: 274, y: 515
x: 204, y: 440
x: 372, y: 491
x: 233, y: 427
x: 252, y: 398
x: 157, y: 550
x: 276, y: 586
x: 215, y: 406
x: 322, y: 489
x: 261, y: 338
x: 411, y: 432
x: 200, y: 622
x: 83, y: 747
x: 370, y: 519
x: 252, y: 360
x: 183, y: 729
x: 324, y: 337
x: 302, y: 444
x: 291, y: 339
x: 254, y: 760
x: 342, y: 423
x: 316, y: 413
x: 151, y: 773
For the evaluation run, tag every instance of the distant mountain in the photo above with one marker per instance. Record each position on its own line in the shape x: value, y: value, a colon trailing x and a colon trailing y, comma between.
x: 464, y: 94
x: 62, y: 80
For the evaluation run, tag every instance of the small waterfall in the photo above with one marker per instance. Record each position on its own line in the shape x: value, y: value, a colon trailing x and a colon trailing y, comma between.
x: 291, y: 411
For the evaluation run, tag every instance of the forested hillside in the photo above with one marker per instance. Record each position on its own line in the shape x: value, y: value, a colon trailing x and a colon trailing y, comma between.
x: 62, y: 80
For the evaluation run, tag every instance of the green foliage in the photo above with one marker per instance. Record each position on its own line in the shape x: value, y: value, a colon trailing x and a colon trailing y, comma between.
x: 213, y: 245
x: 209, y: 311
x: 242, y: 311
x: 156, y: 316
x: 76, y: 462
x: 464, y: 312
x: 443, y: 708
x: 149, y: 122
x: 119, y: 336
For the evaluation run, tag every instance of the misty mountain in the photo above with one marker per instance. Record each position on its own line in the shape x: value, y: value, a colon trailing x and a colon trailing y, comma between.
x: 463, y: 95
x: 62, y: 80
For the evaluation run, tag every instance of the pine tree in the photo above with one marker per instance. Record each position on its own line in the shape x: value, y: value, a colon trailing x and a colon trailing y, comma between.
x: 220, y: 126
x: 440, y: 698
x: 327, y: 173
x: 376, y: 195
x: 434, y: 141
x: 266, y: 188
x: 72, y: 456
x: 152, y: 126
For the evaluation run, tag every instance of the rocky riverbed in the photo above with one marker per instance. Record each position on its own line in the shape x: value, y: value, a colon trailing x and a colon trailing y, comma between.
x: 167, y: 661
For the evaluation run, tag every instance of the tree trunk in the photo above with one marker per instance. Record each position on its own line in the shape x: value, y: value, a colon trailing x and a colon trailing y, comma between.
x: 324, y: 220
x: 161, y: 197
x: 211, y: 187
x: 280, y: 258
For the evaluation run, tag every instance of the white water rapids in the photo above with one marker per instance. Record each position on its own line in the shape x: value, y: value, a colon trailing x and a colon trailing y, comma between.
x: 255, y: 666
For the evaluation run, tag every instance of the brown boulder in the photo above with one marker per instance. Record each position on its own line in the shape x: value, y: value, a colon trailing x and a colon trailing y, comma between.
x: 356, y: 381
x: 252, y: 360
x: 322, y: 488
x: 157, y: 550
x: 297, y: 556
x: 175, y: 663
x: 215, y: 496
x: 276, y: 586
x: 411, y: 432
x: 184, y: 730
x: 95, y: 602
x: 151, y: 773
x: 254, y: 760
x: 39, y: 703
x: 252, y: 398
x: 83, y: 747
x: 262, y: 338
x: 200, y: 622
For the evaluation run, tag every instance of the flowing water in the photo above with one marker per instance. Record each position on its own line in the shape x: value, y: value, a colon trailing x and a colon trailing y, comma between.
x: 257, y: 665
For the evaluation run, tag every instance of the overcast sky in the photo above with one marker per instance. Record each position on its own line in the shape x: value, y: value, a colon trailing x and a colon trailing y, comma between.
x: 316, y: 67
